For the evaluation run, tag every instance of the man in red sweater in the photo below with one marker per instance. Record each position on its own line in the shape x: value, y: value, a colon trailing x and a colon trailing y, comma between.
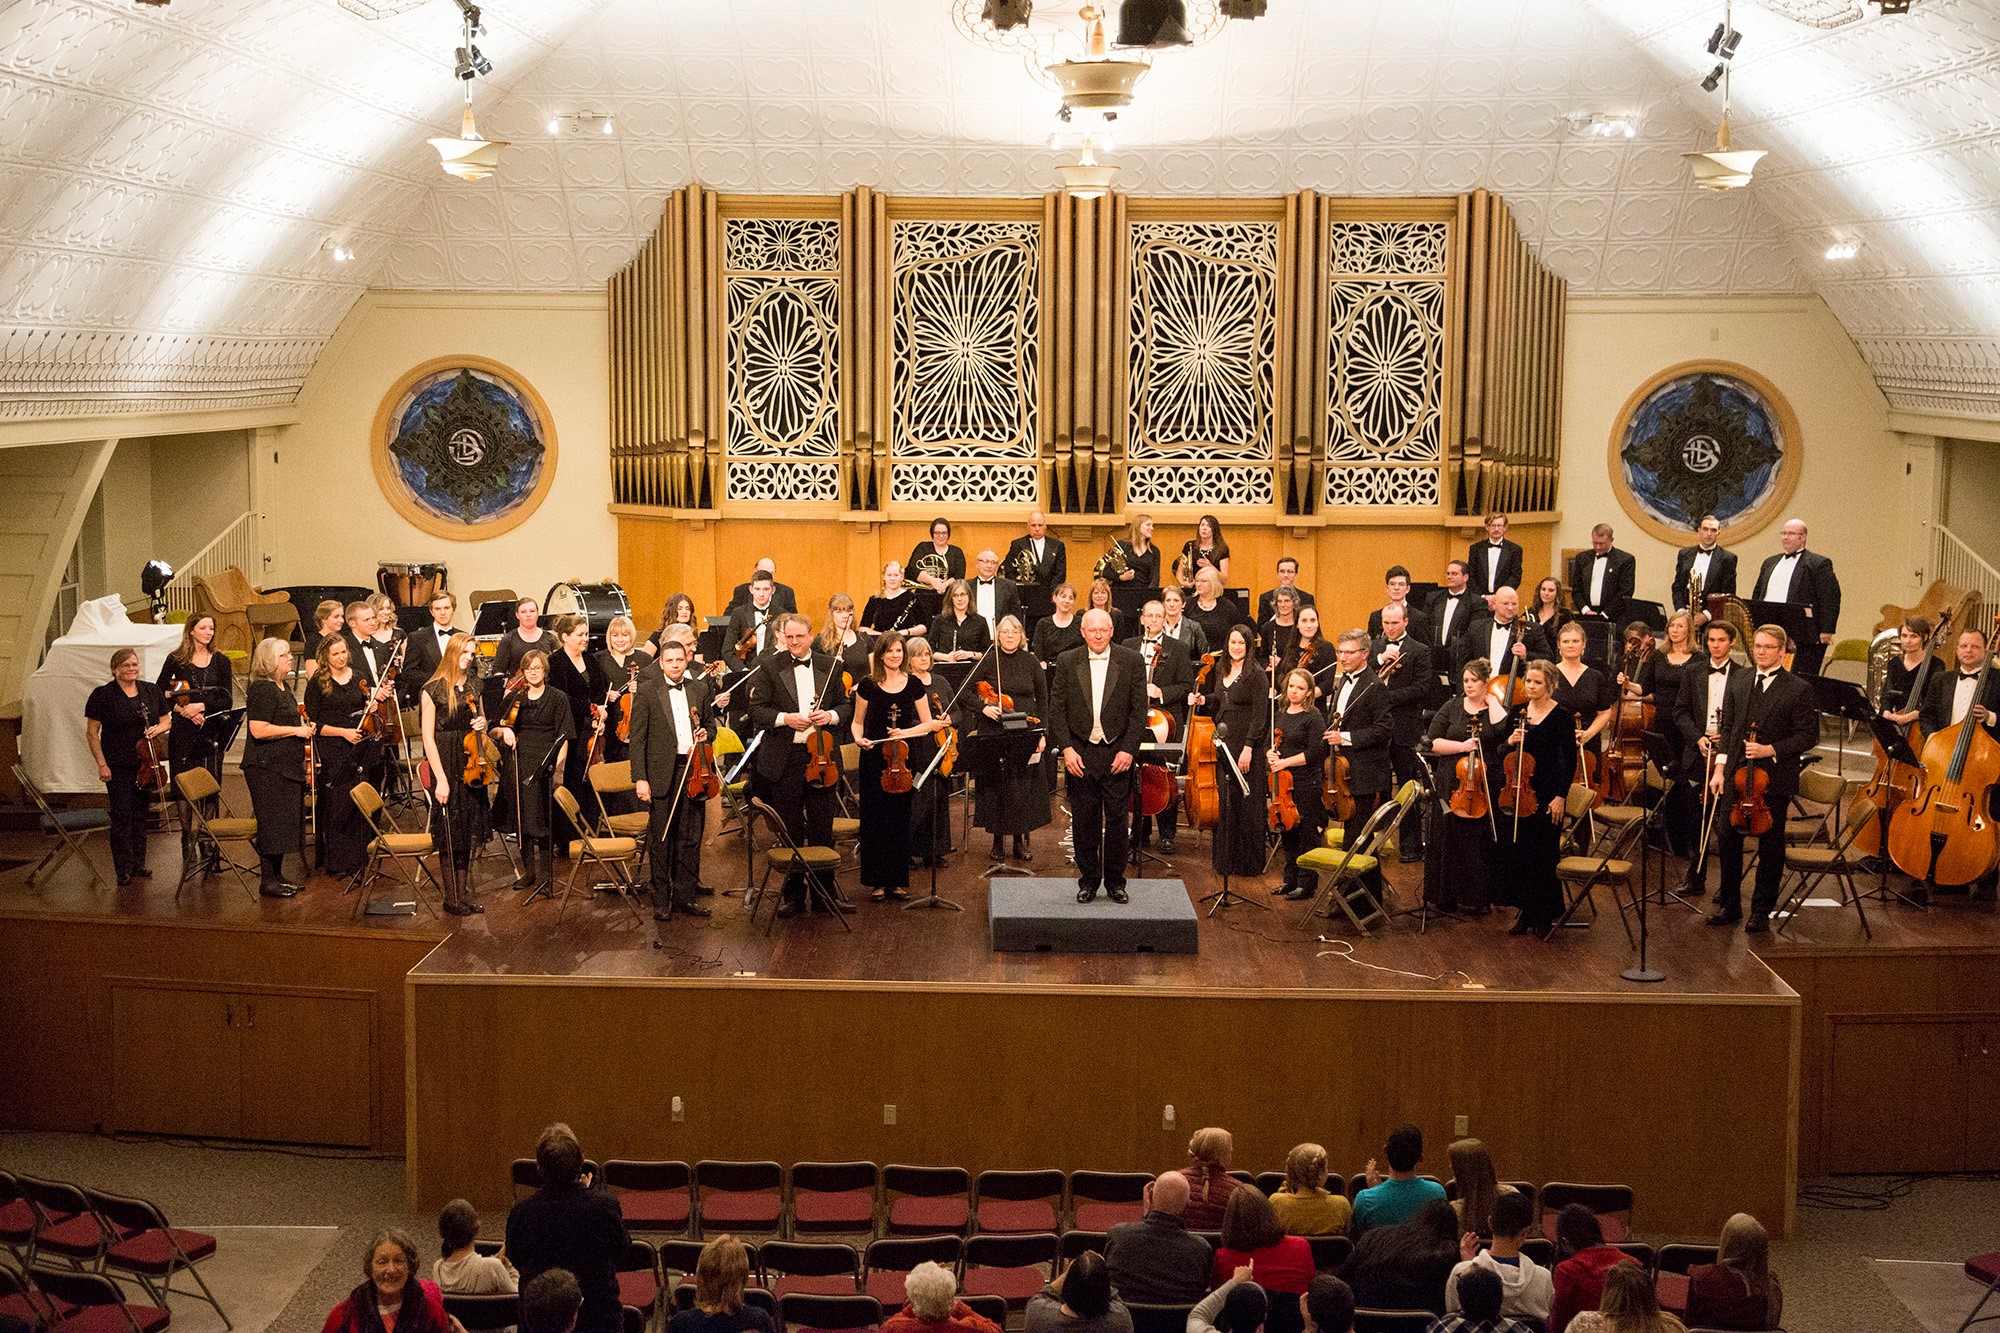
x: 1582, y: 1260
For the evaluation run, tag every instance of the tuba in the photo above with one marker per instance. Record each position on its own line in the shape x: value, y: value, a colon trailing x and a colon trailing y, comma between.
x: 1022, y: 571
x: 1112, y: 563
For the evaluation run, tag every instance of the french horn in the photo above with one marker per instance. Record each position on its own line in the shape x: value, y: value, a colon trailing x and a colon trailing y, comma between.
x: 1022, y: 571
x: 930, y: 565
x: 1113, y: 563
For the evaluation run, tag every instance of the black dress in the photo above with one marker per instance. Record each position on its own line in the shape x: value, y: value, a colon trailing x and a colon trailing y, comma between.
x: 507, y: 657
x: 584, y: 688
x: 122, y: 721
x: 1015, y: 801
x: 949, y: 634
x: 1304, y: 733
x: 540, y: 727
x: 1275, y: 640
x: 340, y: 834
x: 1524, y: 862
x: 930, y: 836
x: 1243, y: 708
x: 953, y: 557
x: 1458, y: 852
x: 885, y: 816
x: 902, y: 612
x: 1215, y: 624
x: 1198, y: 558
x: 275, y: 771
x: 1897, y: 682
x: 1593, y: 692
x: 1145, y: 566
x: 460, y: 826
x: 214, y: 687
x: 1052, y: 640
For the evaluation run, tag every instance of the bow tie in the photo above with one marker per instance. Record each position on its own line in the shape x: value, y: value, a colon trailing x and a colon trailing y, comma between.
x: 1722, y: 670
x: 675, y: 684
x: 801, y: 661
x: 1789, y: 555
x: 1968, y: 675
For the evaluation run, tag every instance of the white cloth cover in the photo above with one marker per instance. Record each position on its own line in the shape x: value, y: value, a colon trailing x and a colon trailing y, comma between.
x: 53, y: 745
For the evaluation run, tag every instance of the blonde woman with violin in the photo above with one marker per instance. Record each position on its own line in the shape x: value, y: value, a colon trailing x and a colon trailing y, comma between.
x: 1530, y: 841
x: 274, y: 764
x: 1298, y: 747
x: 928, y: 842
x: 448, y: 715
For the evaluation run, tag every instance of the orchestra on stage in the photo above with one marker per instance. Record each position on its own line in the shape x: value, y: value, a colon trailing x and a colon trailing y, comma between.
x: 1468, y: 726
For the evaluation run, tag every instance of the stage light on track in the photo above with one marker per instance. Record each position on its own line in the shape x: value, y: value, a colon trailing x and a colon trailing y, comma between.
x: 1153, y: 24
x: 1713, y: 81
x: 1841, y: 250
x: 1724, y: 41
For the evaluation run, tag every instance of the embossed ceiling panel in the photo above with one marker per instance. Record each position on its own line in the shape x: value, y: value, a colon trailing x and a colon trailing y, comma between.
x: 169, y: 177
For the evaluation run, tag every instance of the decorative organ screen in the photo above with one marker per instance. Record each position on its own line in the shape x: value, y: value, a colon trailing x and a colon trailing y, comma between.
x: 1385, y: 369
x: 781, y: 358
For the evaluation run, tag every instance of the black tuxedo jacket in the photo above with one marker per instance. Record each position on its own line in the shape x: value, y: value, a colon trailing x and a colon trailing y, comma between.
x: 1006, y: 599
x: 1122, y: 712
x: 655, y: 743
x: 782, y: 598
x: 1813, y: 585
x: 772, y: 694
x: 1368, y: 721
x: 1173, y: 673
x: 1620, y: 578
x: 1441, y: 637
x: 420, y: 662
x: 1786, y: 719
x: 1411, y: 687
x: 1419, y: 622
x: 1478, y: 638
x: 1267, y: 602
x: 742, y: 619
x: 1721, y: 573
x: 1691, y: 705
x: 1475, y: 567
x: 1050, y: 570
x: 1934, y: 714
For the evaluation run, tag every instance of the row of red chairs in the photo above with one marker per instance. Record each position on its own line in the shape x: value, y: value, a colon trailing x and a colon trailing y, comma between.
x: 711, y: 1197
x: 98, y: 1239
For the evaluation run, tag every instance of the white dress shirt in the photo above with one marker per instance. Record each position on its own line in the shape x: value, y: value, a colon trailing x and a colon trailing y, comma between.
x: 1698, y: 571
x: 982, y: 601
x: 802, y: 685
x: 1718, y: 683
x: 1779, y: 589
x: 1492, y: 565
x: 1035, y: 547
x: 1444, y: 618
x: 1498, y: 645
x: 1597, y: 567
x: 1961, y: 696
x: 1100, y: 666
x: 677, y: 702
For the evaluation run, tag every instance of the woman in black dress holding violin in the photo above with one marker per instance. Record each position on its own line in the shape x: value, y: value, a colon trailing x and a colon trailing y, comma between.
x: 1299, y: 748
x: 930, y: 842
x: 1457, y: 875
x: 1525, y: 856
x: 335, y: 698
x: 1588, y: 693
x: 198, y: 683
x: 1239, y: 699
x: 1016, y: 803
x: 575, y: 674
x: 448, y: 712
x: 120, y: 715
x: 891, y: 705
x: 274, y: 765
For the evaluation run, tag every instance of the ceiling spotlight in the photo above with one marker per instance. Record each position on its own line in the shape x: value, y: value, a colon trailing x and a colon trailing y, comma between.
x: 1724, y: 41
x: 1888, y: 6
x: 1602, y: 124
x: 555, y: 124
x: 1843, y: 250
x: 1006, y: 14
x: 579, y: 122
x: 471, y: 63
x: 1153, y: 24
x: 1243, y: 9
x: 1709, y: 84
x: 334, y: 250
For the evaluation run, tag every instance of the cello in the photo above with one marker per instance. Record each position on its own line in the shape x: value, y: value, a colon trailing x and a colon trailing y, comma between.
x: 1941, y: 835
x: 1624, y: 769
x: 1154, y: 791
x: 1891, y: 783
x: 1204, y: 800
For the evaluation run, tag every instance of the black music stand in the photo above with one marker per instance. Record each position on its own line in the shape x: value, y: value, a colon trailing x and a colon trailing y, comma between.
x: 1844, y: 700
x: 987, y: 755
x: 1650, y: 614
x: 1037, y: 603
x: 1895, y: 743
x: 1436, y: 811
x: 1660, y: 753
x: 1226, y: 896
x: 938, y: 784
x: 1598, y: 633
x: 708, y: 642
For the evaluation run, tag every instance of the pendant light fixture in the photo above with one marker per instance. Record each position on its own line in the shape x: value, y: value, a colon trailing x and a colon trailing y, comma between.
x: 1723, y: 168
x: 469, y: 157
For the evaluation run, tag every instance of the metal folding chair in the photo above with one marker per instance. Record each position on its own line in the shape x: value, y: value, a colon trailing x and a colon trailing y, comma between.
x: 819, y: 865
x: 197, y: 785
x: 1340, y: 873
x: 1813, y: 864
x: 71, y: 829
x: 617, y: 856
x: 396, y: 847
x: 1615, y: 865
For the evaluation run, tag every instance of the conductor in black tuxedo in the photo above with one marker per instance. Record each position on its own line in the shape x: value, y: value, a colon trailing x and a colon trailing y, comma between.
x: 1780, y: 706
x: 1706, y: 560
x: 670, y: 716
x: 993, y: 596
x: 1097, y: 718
x: 1494, y: 563
x: 1601, y: 579
x: 797, y: 692
x: 1802, y: 578
x: 1048, y: 558
x: 782, y: 597
x: 426, y: 650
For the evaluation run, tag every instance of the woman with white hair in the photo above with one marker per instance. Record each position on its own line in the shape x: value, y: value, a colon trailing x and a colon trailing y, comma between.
x: 934, y: 1305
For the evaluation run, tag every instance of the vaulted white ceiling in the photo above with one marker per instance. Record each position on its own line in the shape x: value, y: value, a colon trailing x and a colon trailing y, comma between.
x: 171, y: 178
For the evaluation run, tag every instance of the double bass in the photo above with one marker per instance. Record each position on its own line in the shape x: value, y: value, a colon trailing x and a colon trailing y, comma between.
x: 1624, y: 768
x: 1942, y: 835
x: 1891, y: 782
x: 1204, y: 800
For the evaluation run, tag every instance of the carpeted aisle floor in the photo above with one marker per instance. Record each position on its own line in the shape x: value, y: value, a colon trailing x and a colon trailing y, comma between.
x: 294, y: 1228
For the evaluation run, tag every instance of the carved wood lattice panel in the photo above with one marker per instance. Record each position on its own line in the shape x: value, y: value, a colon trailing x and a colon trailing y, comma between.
x: 781, y: 356
x: 1385, y: 369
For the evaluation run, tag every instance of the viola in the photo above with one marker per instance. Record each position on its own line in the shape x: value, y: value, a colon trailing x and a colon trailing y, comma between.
x: 1340, y: 796
x: 1588, y: 766
x: 1284, y: 805
x: 625, y: 699
x: 152, y: 758
x: 478, y: 763
x: 703, y: 782
x: 1513, y: 692
x: 896, y: 777
x: 822, y: 754
x: 307, y: 720
x: 1749, y: 812
x: 947, y: 741
x: 746, y: 645
x: 1470, y: 799
x: 1624, y: 768
x: 1517, y: 775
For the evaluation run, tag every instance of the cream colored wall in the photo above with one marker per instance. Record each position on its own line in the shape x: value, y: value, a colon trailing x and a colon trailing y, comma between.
x: 1972, y: 495
x: 118, y: 533
x: 1865, y: 491
x: 329, y: 520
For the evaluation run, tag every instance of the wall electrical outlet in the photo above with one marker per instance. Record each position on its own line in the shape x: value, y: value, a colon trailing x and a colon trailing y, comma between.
x: 1167, y: 1116
x: 888, y: 1113
x: 1461, y: 1125
x: 680, y: 1111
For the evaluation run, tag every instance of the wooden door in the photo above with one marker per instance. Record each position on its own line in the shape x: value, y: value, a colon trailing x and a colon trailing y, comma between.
x: 1896, y: 1095
x: 174, y: 1061
x: 307, y: 1067
x: 1981, y: 1050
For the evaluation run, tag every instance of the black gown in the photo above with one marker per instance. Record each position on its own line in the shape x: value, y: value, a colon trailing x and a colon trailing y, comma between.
x: 1593, y: 692
x: 1052, y: 640
x: 1304, y: 733
x: 1244, y: 710
x: 1145, y: 567
x: 275, y: 771
x: 949, y: 634
x: 902, y: 612
x: 885, y: 816
x: 461, y: 825
x: 214, y: 687
x: 340, y: 834
x: 507, y: 657
x: 584, y: 688
x: 540, y: 727
x: 1897, y: 682
x: 1215, y: 623
x: 1524, y: 862
x: 1459, y: 850
x: 1016, y: 801
x: 930, y: 836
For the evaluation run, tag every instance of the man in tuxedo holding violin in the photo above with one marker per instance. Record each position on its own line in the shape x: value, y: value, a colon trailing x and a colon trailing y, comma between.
x: 1404, y: 664
x: 1169, y: 681
x: 1698, y: 719
x: 670, y: 716
x: 794, y: 692
x: 1777, y: 706
x: 1097, y: 718
x: 1361, y: 730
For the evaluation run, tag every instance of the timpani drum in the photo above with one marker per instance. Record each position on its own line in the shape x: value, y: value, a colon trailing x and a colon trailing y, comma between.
x: 598, y: 603
x: 408, y: 583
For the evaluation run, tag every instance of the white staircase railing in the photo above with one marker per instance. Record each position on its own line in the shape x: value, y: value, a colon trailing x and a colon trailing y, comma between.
x: 234, y: 545
x: 1962, y: 567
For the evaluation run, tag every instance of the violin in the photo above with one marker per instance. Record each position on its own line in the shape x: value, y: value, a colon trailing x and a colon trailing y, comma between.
x: 1749, y: 812
x: 1470, y: 799
x: 1204, y: 799
x: 1588, y: 765
x: 992, y: 698
x: 478, y: 764
x: 152, y: 759
x: 746, y: 645
x: 376, y: 721
x: 307, y: 720
x: 947, y: 740
x: 1284, y: 806
x: 703, y: 782
x: 625, y: 699
x: 1340, y: 796
x: 822, y: 754
x: 1517, y: 774
x: 896, y: 777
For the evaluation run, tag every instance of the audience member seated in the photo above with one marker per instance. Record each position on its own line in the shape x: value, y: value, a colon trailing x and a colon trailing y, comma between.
x: 1080, y: 1300
x: 1406, y: 1266
x: 462, y: 1270
x: 1156, y: 1260
x: 1237, y: 1306
x: 551, y: 1303
x: 1477, y: 1298
x: 1282, y: 1265
x: 1208, y: 1178
x: 1582, y: 1260
x: 1630, y: 1305
x: 1478, y: 1185
x: 391, y: 1298
x: 1528, y: 1289
x: 1387, y: 1202
x: 721, y: 1272
x: 1305, y: 1207
x: 571, y: 1222
x: 934, y: 1306
x: 1738, y: 1290
x: 1329, y: 1305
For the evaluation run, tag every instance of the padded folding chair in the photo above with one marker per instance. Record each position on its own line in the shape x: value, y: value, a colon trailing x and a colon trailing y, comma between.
x: 887, y: 1262
x: 66, y: 1226
x: 1670, y: 1278
x: 1541, y: 1249
x: 615, y: 779
x: 738, y: 1196
x: 989, y: 1307
x: 1813, y: 864
x: 99, y: 1307
x: 1100, y: 1200
x: 819, y: 865
x: 17, y: 1220
x: 1329, y: 1252
x: 1158, y: 1318
x: 20, y: 1300
x: 412, y: 854
x: 652, y: 1196
x: 197, y: 785
x: 1611, y: 1203
x: 834, y: 1197
x: 1269, y: 1182
x: 1013, y: 1268
x: 1017, y: 1203
x: 1615, y: 865
x: 1341, y: 872
x: 638, y: 1275
x: 829, y: 1314
x: 1984, y: 1268
x: 526, y: 1175
x: 1359, y: 1182
x: 810, y: 1268
x: 927, y: 1200
x: 1639, y: 1253
x: 71, y: 830
x: 150, y: 1250
x: 616, y: 856
x: 484, y: 1314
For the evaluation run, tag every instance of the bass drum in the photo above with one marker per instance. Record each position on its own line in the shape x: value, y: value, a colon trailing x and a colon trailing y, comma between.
x: 598, y: 603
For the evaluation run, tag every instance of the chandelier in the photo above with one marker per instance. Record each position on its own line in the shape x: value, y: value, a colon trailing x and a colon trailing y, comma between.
x: 1055, y: 37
